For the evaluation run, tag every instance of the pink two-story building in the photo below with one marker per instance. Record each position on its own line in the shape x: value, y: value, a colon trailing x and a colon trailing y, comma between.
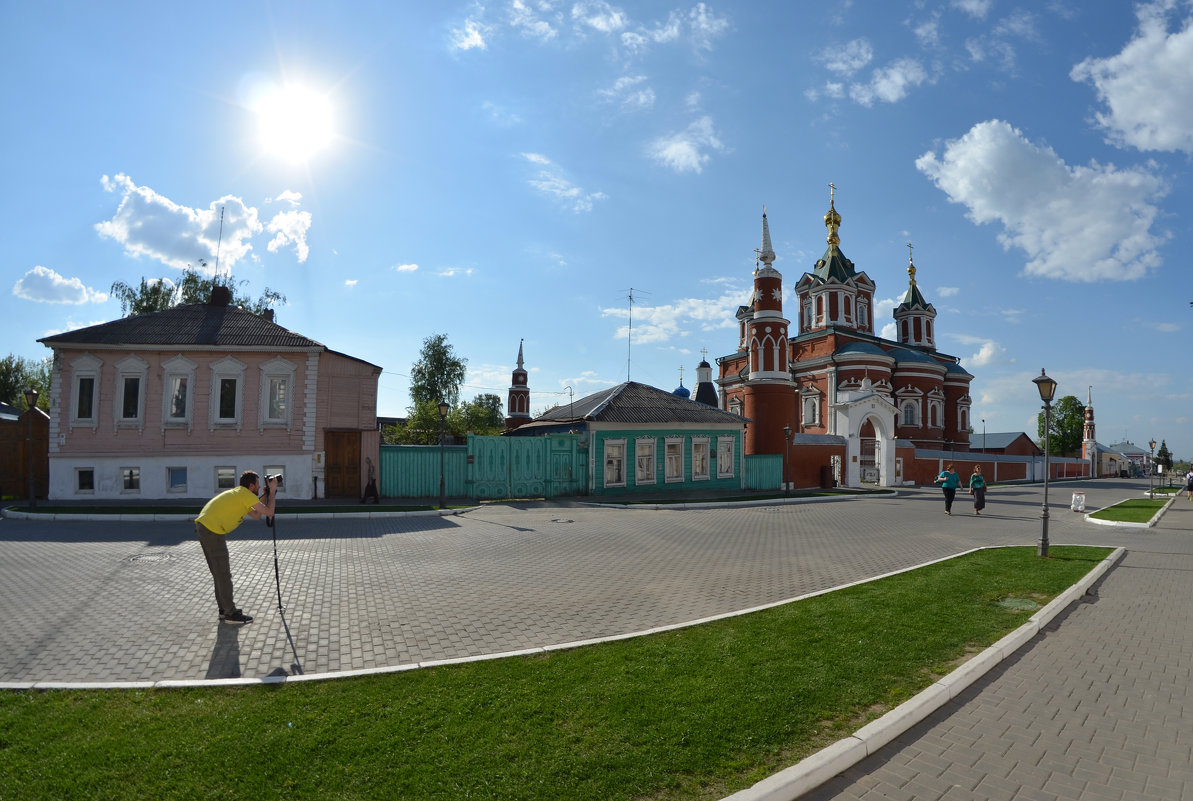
x: 177, y: 403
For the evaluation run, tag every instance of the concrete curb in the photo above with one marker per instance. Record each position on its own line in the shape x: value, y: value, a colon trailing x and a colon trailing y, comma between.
x: 808, y: 774
x: 1089, y: 518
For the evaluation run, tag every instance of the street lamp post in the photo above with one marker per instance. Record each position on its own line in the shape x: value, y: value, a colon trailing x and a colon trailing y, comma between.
x: 443, y: 410
x: 983, y: 435
x: 787, y: 432
x: 30, y: 405
x: 1151, y: 467
x: 1047, y: 389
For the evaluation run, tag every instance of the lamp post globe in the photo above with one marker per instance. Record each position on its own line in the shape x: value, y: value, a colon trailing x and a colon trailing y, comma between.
x: 31, y: 404
x: 1047, y: 388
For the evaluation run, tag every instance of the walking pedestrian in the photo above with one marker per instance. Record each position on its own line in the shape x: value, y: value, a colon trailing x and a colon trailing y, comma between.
x: 221, y: 515
x: 948, y: 481
x: 1189, y: 484
x: 977, y: 488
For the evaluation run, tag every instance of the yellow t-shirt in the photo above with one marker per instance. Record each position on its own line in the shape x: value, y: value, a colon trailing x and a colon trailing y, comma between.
x: 227, y: 510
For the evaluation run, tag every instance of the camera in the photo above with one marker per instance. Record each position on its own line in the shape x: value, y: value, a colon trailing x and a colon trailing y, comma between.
x: 268, y: 478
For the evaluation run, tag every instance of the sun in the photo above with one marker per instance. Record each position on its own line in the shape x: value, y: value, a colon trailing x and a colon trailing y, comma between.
x: 295, y: 122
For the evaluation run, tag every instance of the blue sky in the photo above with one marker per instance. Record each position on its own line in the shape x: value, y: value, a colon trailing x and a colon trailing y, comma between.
x: 500, y: 171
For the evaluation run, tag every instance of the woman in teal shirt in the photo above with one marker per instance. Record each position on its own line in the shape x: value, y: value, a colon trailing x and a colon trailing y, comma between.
x: 948, y: 481
x: 977, y: 488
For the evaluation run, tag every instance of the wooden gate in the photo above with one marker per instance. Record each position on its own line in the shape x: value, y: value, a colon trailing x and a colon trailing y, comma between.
x: 343, y: 464
x: 525, y: 467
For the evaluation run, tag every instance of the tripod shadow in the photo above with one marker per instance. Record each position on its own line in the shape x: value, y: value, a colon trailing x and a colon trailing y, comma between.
x: 225, y: 657
x: 296, y: 666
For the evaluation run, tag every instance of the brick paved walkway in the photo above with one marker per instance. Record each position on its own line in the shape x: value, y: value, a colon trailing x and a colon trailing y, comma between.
x: 1096, y: 708
x: 1099, y: 708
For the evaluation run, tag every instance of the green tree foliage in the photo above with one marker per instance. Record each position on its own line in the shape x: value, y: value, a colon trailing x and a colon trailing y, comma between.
x: 1068, y: 425
x: 18, y: 374
x: 159, y: 294
x: 437, y: 375
x: 482, y: 415
x: 1164, y: 456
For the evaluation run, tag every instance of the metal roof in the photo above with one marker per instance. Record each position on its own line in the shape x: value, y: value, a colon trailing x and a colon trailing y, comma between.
x: 632, y: 402
x: 195, y: 324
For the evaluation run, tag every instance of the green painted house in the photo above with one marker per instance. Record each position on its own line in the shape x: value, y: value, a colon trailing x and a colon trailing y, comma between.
x: 641, y: 440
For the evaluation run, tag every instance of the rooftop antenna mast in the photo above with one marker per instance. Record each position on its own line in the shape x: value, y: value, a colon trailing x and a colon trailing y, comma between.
x: 630, y: 332
x: 219, y: 242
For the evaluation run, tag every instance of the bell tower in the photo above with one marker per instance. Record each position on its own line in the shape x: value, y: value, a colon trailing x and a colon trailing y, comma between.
x: 1089, y: 443
x: 518, y: 403
x: 769, y: 391
x: 914, y: 317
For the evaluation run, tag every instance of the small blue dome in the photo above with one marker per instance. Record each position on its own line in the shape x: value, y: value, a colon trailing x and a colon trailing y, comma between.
x: 681, y: 391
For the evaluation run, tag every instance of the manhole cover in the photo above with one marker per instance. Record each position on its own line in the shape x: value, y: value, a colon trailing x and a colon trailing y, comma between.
x: 150, y: 557
x: 1019, y: 604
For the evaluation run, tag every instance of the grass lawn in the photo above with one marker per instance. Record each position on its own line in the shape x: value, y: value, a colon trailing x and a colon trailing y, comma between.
x: 1135, y: 510
x: 694, y: 713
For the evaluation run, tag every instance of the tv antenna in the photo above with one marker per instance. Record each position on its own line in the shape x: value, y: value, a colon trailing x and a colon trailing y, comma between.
x: 630, y: 329
x: 219, y: 242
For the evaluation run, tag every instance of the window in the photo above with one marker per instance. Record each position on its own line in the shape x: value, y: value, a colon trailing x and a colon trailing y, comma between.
x: 175, y: 479
x: 644, y: 452
x: 277, y: 389
x: 227, y: 381
x: 700, y: 459
x: 811, y: 411
x: 615, y: 463
x: 225, y: 478
x: 909, y: 414
x: 85, y: 398
x: 725, y: 466
x: 85, y: 373
x: 178, y: 383
x: 674, y: 459
x: 84, y: 479
x: 227, y: 405
x: 130, y: 479
x: 131, y: 372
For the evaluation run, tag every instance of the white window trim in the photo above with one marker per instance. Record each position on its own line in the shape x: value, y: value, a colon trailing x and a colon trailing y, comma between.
x: 722, y: 470
x: 605, y: 463
x: 283, y: 370
x: 85, y: 366
x: 130, y: 367
x: 178, y: 367
x: 706, y: 475
x: 225, y: 368
x: 667, y: 476
x: 652, y: 476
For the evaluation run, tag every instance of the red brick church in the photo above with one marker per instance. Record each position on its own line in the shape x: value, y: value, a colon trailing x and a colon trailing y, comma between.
x: 831, y: 392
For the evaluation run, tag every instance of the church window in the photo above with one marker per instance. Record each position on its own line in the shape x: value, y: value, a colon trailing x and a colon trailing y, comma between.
x: 811, y: 412
x: 848, y: 309
x: 909, y: 413
x: 863, y: 316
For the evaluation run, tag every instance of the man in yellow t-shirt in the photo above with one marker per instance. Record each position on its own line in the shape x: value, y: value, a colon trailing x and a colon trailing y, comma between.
x: 222, y: 514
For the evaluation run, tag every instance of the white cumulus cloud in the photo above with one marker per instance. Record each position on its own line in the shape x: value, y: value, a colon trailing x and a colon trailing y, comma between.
x: 43, y: 285
x: 552, y: 181
x: 1083, y: 223
x: 687, y: 150
x: 290, y: 228
x: 1146, y: 88
x: 149, y: 224
x: 890, y: 84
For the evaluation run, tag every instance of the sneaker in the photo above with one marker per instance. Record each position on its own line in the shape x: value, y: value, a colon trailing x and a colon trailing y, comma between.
x: 236, y: 616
